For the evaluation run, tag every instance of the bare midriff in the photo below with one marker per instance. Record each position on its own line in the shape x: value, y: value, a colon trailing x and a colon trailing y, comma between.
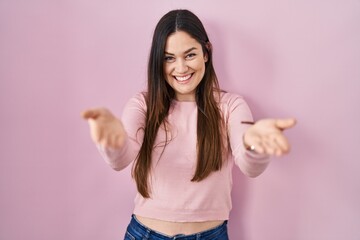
x: 174, y: 228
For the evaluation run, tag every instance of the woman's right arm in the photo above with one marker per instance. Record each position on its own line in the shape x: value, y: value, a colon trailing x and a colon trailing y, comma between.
x: 118, y: 140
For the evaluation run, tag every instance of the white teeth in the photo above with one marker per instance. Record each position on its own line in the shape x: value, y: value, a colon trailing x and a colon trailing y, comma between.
x: 184, y: 78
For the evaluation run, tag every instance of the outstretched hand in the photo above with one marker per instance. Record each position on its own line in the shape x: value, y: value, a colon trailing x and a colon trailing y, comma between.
x: 266, y: 136
x: 105, y: 129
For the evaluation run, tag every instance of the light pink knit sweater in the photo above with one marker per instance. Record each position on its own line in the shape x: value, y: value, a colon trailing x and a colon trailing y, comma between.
x: 173, y: 196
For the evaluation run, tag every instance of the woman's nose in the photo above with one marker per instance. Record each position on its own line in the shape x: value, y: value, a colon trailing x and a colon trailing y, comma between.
x: 181, y: 66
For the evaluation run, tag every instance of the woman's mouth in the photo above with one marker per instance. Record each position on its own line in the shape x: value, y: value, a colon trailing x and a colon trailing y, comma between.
x: 183, y: 79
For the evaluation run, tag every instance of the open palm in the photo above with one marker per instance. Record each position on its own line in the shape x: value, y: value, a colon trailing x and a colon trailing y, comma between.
x: 105, y: 129
x: 266, y: 136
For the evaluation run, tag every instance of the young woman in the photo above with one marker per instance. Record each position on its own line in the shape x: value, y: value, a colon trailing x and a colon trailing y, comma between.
x: 183, y: 136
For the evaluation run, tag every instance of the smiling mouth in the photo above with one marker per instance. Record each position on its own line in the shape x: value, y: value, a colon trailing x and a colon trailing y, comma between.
x: 183, y: 78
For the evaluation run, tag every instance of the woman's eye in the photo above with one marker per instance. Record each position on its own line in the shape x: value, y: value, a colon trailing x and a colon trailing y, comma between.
x: 190, y: 55
x: 169, y: 59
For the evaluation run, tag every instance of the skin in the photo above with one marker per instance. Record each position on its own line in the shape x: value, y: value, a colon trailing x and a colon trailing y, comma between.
x: 184, y: 67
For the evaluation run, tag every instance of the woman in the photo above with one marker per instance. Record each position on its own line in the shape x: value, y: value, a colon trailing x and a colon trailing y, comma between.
x: 184, y: 135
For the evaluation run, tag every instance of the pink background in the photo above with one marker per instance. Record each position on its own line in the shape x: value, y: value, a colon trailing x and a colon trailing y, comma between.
x: 288, y: 58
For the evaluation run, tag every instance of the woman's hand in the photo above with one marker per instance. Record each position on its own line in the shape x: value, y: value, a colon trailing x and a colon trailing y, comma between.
x: 105, y: 129
x: 266, y: 136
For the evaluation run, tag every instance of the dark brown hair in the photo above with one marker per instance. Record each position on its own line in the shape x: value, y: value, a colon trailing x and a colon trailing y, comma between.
x: 159, y: 96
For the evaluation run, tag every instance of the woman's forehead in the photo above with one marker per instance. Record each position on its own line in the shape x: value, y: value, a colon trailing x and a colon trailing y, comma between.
x: 181, y: 42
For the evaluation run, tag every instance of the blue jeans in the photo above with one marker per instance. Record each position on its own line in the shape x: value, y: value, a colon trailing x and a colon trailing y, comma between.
x: 137, y: 231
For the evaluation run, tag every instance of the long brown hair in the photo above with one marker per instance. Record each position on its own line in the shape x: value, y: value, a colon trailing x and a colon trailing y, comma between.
x: 160, y: 94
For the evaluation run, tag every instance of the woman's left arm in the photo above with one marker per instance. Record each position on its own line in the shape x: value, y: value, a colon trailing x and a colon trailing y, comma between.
x: 252, y: 143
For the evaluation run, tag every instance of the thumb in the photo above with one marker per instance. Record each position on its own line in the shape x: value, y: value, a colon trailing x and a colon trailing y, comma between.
x: 285, y: 123
x: 92, y: 113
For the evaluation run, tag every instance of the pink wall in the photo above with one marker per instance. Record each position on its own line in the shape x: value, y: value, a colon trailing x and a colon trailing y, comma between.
x: 57, y: 58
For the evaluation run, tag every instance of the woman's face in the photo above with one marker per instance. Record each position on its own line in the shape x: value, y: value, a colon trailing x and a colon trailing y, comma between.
x: 184, y: 65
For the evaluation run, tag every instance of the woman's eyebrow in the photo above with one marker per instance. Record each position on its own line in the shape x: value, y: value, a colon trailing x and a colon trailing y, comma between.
x: 187, y: 51
x: 190, y: 49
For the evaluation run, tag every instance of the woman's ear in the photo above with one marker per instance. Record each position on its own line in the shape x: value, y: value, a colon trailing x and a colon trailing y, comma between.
x: 205, y: 57
x: 209, y: 48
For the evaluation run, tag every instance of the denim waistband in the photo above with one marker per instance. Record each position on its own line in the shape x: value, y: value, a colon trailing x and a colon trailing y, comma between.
x: 137, y: 228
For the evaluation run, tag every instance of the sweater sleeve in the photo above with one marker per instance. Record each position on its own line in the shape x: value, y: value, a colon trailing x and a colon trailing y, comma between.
x: 250, y: 163
x: 133, y: 119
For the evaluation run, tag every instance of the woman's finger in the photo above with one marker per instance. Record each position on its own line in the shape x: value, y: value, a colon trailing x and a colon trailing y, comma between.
x: 282, y: 142
x: 285, y: 123
x: 270, y: 146
x: 91, y: 113
x: 258, y: 147
x: 95, y: 131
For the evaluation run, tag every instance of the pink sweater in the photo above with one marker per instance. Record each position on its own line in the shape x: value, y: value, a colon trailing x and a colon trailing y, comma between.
x: 173, y: 196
